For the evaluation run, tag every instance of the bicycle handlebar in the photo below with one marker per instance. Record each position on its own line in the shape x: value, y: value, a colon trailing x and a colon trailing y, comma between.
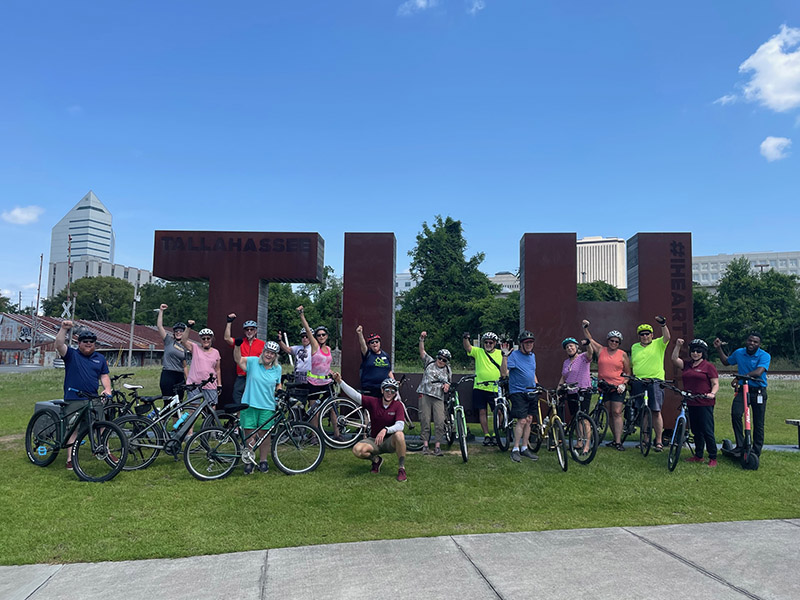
x: 688, y: 395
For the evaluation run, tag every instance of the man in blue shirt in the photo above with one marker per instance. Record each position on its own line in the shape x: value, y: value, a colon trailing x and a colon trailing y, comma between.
x: 84, y: 369
x: 751, y: 361
x: 521, y: 366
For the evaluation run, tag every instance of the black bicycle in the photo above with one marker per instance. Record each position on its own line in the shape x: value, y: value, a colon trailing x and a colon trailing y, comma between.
x: 296, y: 447
x: 598, y: 413
x: 581, y: 430
x: 100, y: 448
x: 638, y: 414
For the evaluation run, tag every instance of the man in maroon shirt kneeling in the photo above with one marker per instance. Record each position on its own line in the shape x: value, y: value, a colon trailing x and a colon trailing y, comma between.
x: 387, y: 420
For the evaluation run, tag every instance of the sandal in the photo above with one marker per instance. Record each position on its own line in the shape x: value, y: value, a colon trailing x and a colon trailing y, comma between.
x: 658, y: 448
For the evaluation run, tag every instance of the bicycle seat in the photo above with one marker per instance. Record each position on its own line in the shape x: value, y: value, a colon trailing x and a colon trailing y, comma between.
x: 232, y: 408
x: 128, y: 386
x: 59, y: 403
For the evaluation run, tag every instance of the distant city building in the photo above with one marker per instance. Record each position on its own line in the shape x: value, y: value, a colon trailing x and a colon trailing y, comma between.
x: 508, y: 280
x: 708, y: 270
x: 602, y: 259
x: 403, y: 282
x: 90, y: 250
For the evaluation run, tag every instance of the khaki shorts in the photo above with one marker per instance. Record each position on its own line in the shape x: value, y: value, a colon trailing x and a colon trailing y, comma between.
x: 387, y: 447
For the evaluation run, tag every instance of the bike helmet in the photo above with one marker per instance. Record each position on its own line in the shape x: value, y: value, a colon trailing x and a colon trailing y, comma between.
x: 272, y: 347
x: 444, y: 353
x: 250, y: 323
x: 390, y: 383
x: 321, y: 328
x: 205, y: 331
x: 489, y: 335
x: 644, y: 327
x: 373, y: 336
x: 614, y: 333
x: 303, y: 332
x: 698, y: 343
x: 179, y: 325
x: 569, y: 340
x: 526, y: 335
x: 87, y: 335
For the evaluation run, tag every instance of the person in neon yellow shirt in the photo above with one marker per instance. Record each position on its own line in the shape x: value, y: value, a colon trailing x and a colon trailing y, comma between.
x: 647, y: 361
x: 488, y: 369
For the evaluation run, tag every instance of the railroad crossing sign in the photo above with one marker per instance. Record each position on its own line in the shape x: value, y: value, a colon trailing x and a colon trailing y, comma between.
x: 67, y: 305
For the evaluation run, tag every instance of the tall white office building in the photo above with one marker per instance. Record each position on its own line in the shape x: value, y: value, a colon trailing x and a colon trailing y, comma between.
x: 602, y: 259
x: 91, y: 251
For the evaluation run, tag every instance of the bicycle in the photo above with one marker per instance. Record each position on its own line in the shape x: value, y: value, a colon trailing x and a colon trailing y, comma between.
x: 581, y: 430
x: 344, y: 422
x: 149, y: 435
x: 680, y: 434
x: 550, y: 428
x: 636, y: 414
x: 598, y: 413
x: 118, y: 404
x: 502, y: 421
x: 100, y: 448
x: 455, y: 420
x: 213, y: 453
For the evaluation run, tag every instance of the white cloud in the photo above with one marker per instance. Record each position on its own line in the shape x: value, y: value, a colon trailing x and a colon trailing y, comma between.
x: 726, y: 99
x: 6, y: 293
x: 774, y: 148
x: 775, y: 68
x: 410, y: 7
x: 22, y: 215
x: 475, y: 6
x: 29, y: 286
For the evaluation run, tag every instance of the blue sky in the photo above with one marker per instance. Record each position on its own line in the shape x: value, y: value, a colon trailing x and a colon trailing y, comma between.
x: 514, y: 116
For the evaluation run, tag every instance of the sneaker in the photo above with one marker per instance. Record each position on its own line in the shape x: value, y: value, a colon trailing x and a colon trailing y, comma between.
x: 426, y: 451
x: 712, y: 462
x: 515, y: 455
x: 249, y: 468
x: 528, y: 454
x: 694, y: 459
x: 401, y: 475
x: 376, y: 465
x: 69, y: 465
x: 438, y: 452
x: 263, y: 466
x: 487, y: 441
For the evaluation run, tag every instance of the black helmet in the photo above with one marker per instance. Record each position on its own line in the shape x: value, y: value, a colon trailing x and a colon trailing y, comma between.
x: 87, y: 335
x: 179, y: 325
x: 526, y: 335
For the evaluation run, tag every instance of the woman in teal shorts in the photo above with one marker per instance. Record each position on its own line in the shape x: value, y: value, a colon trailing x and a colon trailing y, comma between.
x: 263, y: 379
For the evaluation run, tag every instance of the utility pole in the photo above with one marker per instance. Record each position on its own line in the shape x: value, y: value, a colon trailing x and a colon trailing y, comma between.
x: 36, y: 308
x: 762, y: 267
x: 136, y: 299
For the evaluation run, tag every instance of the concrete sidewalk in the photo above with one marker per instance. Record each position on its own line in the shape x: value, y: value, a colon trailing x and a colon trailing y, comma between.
x: 731, y: 560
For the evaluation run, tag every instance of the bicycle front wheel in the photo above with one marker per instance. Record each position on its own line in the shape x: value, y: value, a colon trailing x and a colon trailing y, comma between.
x: 461, y: 433
x: 297, y: 448
x: 211, y: 453
x: 501, y: 432
x: 42, y: 441
x: 342, y: 422
x: 99, y: 453
x: 449, y: 429
x: 145, y: 440
x: 535, y: 438
x: 600, y: 417
x: 413, y: 430
x: 645, y: 430
x: 583, y: 438
x: 677, y: 444
x: 562, y: 451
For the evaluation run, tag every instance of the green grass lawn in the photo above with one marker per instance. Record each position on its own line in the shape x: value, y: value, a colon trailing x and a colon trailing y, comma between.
x: 47, y: 515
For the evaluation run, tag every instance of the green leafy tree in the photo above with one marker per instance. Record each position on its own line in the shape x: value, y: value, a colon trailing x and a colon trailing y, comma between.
x: 745, y: 301
x: 186, y: 300
x: 99, y: 299
x: 447, y: 298
x: 600, y: 291
x: 5, y: 304
x: 497, y: 314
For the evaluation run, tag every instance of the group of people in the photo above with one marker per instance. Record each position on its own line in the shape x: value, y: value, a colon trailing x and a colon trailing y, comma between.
x: 259, y: 378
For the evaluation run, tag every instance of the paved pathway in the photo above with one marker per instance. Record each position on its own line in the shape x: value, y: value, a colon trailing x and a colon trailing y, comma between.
x: 720, y: 561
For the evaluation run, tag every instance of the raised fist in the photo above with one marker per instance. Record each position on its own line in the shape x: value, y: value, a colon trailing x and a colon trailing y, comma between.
x: 163, y: 307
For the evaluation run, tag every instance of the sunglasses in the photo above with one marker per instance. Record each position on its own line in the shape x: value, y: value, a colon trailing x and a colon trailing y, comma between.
x: 375, y: 342
x: 444, y: 360
x: 320, y: 334
x: 641, y: 333
x: 205, y: 338
x: 613, y: 341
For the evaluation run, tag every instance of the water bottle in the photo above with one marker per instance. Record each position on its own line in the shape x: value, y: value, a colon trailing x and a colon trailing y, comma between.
x: 180, y: 421
x: 759, y: 398
x: 152, y: 414
x: 546, y: 421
